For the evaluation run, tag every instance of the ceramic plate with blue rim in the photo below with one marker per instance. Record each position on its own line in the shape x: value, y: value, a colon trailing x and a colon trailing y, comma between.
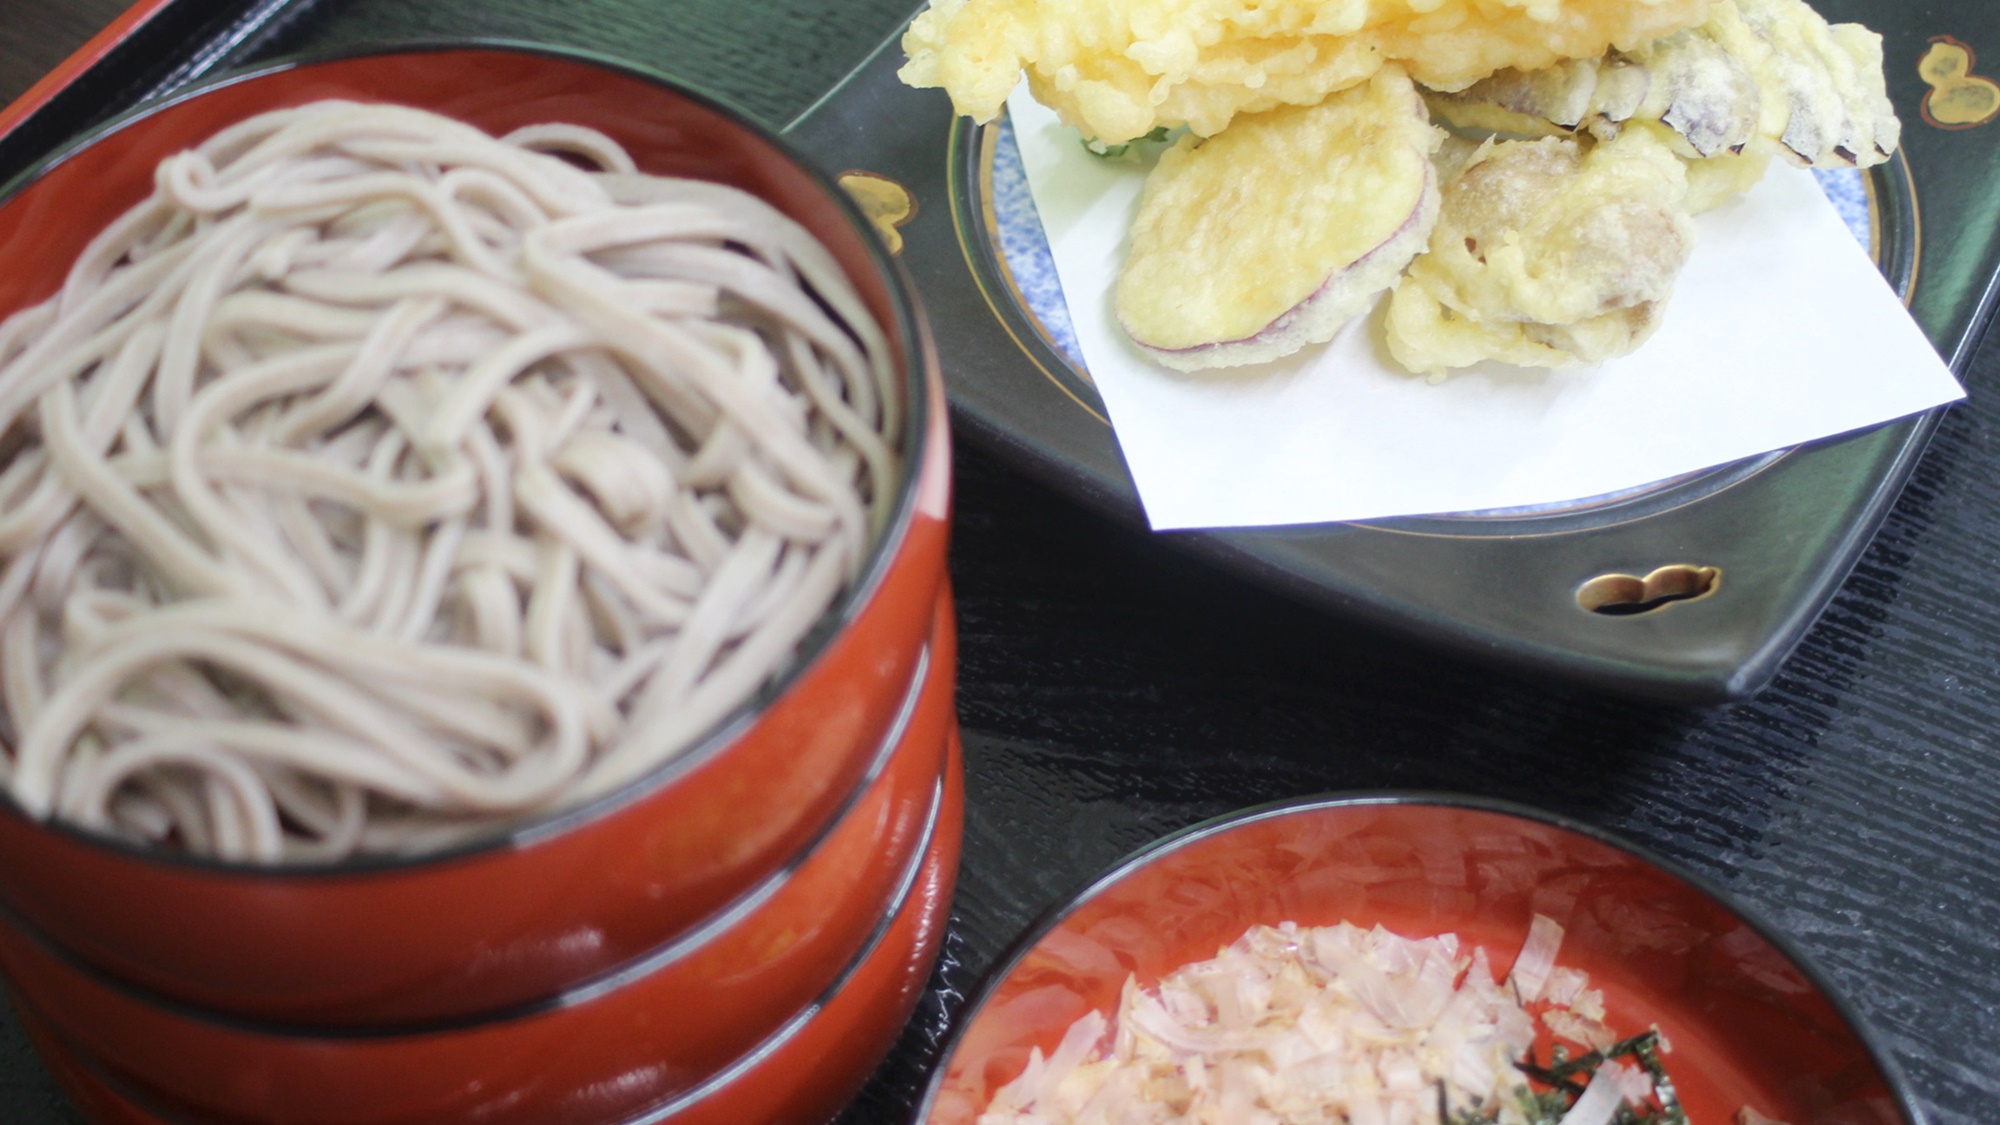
x: 1024, y: 245
x: 1690, y: 590
x: 1024, y: 250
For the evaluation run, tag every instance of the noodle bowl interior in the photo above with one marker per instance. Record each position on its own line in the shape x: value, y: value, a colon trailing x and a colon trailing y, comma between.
x: 377, y: 482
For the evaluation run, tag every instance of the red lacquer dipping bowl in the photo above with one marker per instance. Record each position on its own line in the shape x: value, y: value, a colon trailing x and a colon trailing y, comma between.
x: 523, y: 916
x: 1748, y: 1021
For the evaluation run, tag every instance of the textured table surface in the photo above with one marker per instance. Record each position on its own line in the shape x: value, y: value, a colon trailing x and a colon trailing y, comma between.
x: 1113, y: 690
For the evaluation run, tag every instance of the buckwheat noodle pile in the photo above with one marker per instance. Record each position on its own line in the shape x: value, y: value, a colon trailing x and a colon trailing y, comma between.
x: 376, y: 482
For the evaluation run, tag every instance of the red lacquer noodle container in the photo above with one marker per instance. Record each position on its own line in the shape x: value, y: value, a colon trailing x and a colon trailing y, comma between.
x: 799, y: 1075
x: 798, y: 817
x: 689, y: 1039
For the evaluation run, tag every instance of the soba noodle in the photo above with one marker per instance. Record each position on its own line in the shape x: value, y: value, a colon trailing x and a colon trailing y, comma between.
x: 376, y: 481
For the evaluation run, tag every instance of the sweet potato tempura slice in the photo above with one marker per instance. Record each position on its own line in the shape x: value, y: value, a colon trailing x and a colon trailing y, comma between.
x: 1275, y: 232
x: 1116, y: 69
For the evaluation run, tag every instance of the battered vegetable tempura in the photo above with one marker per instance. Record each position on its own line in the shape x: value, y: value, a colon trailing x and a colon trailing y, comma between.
x: 1255, y: 240
x: 1760, y: 78
x: 1549, y: 253
x: 1213, y: 281
x: 1116, y: 69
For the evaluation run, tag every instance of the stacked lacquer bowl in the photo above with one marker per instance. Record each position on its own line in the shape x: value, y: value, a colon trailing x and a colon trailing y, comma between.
x: 734, y: 935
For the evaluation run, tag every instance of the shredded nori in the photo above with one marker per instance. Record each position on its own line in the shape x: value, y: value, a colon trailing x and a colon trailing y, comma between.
x: 1564, y: 1078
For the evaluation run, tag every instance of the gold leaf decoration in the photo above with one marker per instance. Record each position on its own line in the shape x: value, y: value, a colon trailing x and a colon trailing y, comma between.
x: 1957, y: 98
x: 887, y: 204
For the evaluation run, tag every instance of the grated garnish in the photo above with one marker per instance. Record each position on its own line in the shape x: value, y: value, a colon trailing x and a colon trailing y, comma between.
x: 1338, y: 1025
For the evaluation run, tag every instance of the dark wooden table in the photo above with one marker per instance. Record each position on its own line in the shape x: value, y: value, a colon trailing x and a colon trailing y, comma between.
x: 1113, y: 690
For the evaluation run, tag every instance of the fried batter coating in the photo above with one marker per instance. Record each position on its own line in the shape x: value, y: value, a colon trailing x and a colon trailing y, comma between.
x: 1760, y: 77
x: 1274, y: 233
x: 1554, y: 252
x: 1825, y: 100
x: 1116, y: 69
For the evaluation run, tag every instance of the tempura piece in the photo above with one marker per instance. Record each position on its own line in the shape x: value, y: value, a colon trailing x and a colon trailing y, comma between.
x: 1825, y: 99
x: 1760, y: 78
x: 1715, y: 180
x: 1555, y: 252
x: 1688, y: 82
x: 1272, y: 234
x: 1116, y: 69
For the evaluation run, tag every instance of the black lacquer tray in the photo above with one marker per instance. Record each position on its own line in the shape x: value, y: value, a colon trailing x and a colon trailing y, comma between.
x: 1768, y: 540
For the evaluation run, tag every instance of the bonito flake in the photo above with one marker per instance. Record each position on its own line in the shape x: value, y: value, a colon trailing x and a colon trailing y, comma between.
x: 1290, y: 1026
